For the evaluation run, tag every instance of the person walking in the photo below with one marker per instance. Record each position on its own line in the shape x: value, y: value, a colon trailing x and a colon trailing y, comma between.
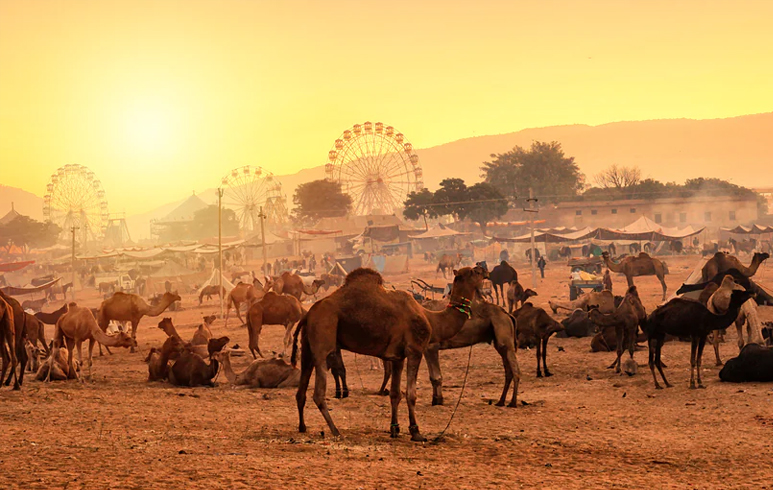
x: 541, y: 264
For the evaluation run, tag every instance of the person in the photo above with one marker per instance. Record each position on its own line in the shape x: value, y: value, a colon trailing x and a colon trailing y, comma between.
x: 541, y: 264
x: 607, y: 281
x: 504, y: 255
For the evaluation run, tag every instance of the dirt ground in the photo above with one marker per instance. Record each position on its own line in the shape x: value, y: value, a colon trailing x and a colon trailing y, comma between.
x: 585, y: 427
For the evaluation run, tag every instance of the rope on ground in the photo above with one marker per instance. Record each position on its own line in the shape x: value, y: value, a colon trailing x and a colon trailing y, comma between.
x: 459, y: 401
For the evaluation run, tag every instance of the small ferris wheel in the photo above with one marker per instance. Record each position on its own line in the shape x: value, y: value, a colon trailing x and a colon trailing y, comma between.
x: 376, y: 166
x: 75, y: 198
x: 246, y: 190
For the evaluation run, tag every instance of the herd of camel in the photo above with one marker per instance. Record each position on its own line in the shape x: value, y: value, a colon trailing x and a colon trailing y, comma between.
x: 364, y: 317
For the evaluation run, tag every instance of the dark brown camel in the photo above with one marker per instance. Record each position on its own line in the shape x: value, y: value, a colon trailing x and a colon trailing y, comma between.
x: 158, y: 360
x: 500, y: 275
x: 639, y: 265
x: 625, y: 320
x: 8, y: 339
x: 534, y: 327
x: 722, y: 262
x: 365, y: 318
x: 52, y: 317
x: 19, y: 335
x: 517, y: 296
x: 273, y: 309
x: 192, y: 370
x: 687, y: 318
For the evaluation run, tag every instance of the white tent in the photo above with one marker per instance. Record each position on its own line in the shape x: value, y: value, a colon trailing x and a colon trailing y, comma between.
x: 228, y: 285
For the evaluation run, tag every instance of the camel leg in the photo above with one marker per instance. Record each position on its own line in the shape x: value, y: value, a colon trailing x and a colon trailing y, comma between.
x: 538, y: 349
x: 54, y: 354
x: 394, y: 396
x: 71, y: 372
x: 618, y: 349
x: 661, y: 341
x: 663, y: 283
x: 387, y: 374
x: 6, y: 358
x: 307, y: 367
x: 432, y: 355
x: 739, y: 329
x: 693, y: 354
x: 78, y: 346
x: 701, y: 345
x: 545, y: 356
x: 320, y: 387
x: 91, y: 358
x: 414, y: 361
x: 715, y: 344
x: 287, y: 339
x: 135, y: 324
x: 338, y: 369
x: 651, y: 343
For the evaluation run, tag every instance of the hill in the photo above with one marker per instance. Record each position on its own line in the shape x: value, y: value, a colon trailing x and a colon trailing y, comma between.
x: 24, y: 202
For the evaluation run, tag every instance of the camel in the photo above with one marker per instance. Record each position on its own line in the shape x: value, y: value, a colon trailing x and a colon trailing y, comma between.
x: 721, y: 262
x: 517, y: 296
x: 682, y: 318
x: 77, y: 326
x: 603, y: 300
x: 331, y: 280
x: 17, y: 353
x: 35, y: 332
x: 364, y: 318
x: 625, y: 320
x: 33, y: 356
x: 158, y: 360
x: 127, y: 307
x: 243, y: 293
x: 270, y: 373
x: 447, y: 263
x: 51, y: 318
x: 212, y: 290
x: 577, y: 324
x: 490, y: 324
x: 534, y: 328
x: 273, y: 309
x: 500, y: 275
x: 754, y: 363
x: 59, y: 368
x: 293, y: 285
x: 7, y: 339
x: 640, y: 265
x: 191, y: 369
x: 34, y: 304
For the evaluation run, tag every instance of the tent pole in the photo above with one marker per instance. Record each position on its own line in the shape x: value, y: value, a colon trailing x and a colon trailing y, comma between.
x: 220, y: 247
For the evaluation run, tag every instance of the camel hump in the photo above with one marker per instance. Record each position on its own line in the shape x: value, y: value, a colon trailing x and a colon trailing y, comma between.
x: 364, y: 274
x: 644, y: 255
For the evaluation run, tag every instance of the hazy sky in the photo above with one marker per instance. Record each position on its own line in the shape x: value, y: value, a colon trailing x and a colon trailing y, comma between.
x: 160, y: 98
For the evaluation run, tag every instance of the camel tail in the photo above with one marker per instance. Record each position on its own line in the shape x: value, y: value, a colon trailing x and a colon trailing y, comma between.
x: 294, y: 357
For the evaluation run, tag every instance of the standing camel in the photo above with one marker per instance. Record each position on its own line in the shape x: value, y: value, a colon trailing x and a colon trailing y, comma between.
x: 211, y: 290
x: 77, y: 326
x: 640, y: 265
x: 293, y: 285
x: 363, y: 317
x: 447, y: 263
x: 126, y: 307
x: 273, y: 309
x: 626, y: 320
x: 722, y: 262
x: 19, y: 335
x: 500, y: 275
x: 243, y: 293
x: 7, y: 339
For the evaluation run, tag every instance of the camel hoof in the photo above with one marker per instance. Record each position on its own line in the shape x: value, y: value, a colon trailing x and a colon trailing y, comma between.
x: 394, y: 430
x: 500, y: 403
x: 437, y: 401
x: 720, y: 363
x: 701, y: 387
x: 513, y: 404
x: 658, y: 387
x: 416, y: 435
x: 302, y: 428
x: 338, y: 394
x: 345, y: 394
x: 383, y: 393
x: 539, y: 374
x: 548, y: 373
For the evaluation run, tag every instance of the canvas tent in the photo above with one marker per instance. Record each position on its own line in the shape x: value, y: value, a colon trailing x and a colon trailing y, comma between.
x: 439, y: 231
x: 550, y: 236
x: 644, y: 229
x: 754, y: 229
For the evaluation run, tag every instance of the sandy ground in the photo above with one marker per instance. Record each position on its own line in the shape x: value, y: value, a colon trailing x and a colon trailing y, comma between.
x: 585, y: 427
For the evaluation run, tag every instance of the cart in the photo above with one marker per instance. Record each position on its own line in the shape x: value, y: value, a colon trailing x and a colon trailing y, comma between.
x: 579, y: 286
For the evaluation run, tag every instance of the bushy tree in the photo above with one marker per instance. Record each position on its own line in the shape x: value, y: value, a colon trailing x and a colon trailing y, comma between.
x: 320, y: 199
x: 25, y: 233
x: 205, y: 223
x: 486, y: 204
x: 419, y: 205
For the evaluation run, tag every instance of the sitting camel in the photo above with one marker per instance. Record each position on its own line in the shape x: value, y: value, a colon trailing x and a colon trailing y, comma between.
x: 77, y: 326
x: 270, y: 373
x: 577, y: 325
x: 625, y: 320
x: 721, y: 262
x: 158, y: 360
x: 125, y: 307
x: 603, y: 300
x: 534, y: 328
x: 683, y: 317
x: 192, y: 370
x: 244, y: 293
x: 59, y: 370
x: 273, y: 309
x: 753, y: 364
x: 517, y: 296
x: 211, y: 290
x: 640, y: 265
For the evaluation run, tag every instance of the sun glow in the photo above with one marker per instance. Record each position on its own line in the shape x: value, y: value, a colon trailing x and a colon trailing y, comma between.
x: 149, y: 128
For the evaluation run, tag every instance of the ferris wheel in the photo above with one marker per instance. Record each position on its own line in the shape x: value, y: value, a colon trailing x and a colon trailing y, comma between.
x: 247, y: 189
x: 75, y: 198
x: 376, y: 166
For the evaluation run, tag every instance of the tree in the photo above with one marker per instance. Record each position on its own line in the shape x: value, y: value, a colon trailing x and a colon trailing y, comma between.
x: 619, y: 178
x: 25, y: 233
x: 320, y: 199
x: 486, y: 204
x: 451, y: 198
x: 418, y: 205
x: 544, y: 168
x: 205, y: 222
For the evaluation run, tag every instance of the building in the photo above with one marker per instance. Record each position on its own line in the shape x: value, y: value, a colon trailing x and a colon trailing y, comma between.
x: 177, y: 224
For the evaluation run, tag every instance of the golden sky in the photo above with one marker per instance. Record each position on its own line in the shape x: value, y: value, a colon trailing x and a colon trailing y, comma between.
x: 160, y: 98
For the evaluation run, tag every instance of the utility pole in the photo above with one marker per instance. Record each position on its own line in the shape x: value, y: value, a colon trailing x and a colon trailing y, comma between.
x: 72, y: 288
x: 263, y: 239
x: 532, y: 259
x: 220, y: 247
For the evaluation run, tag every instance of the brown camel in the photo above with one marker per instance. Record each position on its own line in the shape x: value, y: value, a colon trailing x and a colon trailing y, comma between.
x: 16, y: 349
x: 33, y: 356
x: 35, y: 332
x: 51, y: 318
x: 331, y: 280
x: 603, y: 300
x: 191, y: 369
x: 77, y: 326
x: 158, y: 360
x: 126, y: 307
x: 59, y: 368
x: 365, y: 318
x: 447, y: 263
x: 722, y: 262
x: 640, y: 265
x: 243, y: 293
x: 34, y: 304
x: 270, y: 373
x: 273, y: 309
x: 8, y: 339
x: 212, y: 290
x: 534, y: 328
x: 293, y: 285
x: 517, y: 296
x: 490, y: 324
x: 625, y: 320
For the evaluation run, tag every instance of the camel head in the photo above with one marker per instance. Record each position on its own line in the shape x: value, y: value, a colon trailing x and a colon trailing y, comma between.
x: 210, y: 319
x: 171, y: 297
x: 317, y: 283
x: 216, y: 345
x: 124, y: 340
x: 482, y: 264
x: 760, y: 257
x: 738, y: 298
x: 605, y: 255
x: 222, y: 356
x: 529, y: 293
x: 467, y: 280
x: 166, y: 325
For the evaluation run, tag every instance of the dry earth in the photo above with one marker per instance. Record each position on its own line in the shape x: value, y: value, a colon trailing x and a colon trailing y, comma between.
x: 585, y: 427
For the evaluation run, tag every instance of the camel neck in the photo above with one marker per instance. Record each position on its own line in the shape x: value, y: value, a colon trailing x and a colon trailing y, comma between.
x: 228, y: 370
x: 102, y: 337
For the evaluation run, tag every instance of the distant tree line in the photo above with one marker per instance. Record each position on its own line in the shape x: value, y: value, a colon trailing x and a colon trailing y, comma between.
x: 26, y: 233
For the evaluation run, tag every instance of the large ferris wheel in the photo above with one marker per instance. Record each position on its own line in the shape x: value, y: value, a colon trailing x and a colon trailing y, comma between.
x: 248, y: 189
x: 75, y: 198
x: 376, y: 166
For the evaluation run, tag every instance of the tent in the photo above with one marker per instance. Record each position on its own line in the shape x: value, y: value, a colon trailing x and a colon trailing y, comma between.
x: 644, y: 229
x: 754, y: 229
x: 436, y: 232
x: 15, y: 266
x: 549, y: 236
x: 228, y: 285
x: 14, y: 291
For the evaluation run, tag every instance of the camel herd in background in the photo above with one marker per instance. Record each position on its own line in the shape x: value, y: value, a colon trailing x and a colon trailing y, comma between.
x: 364, y: 317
